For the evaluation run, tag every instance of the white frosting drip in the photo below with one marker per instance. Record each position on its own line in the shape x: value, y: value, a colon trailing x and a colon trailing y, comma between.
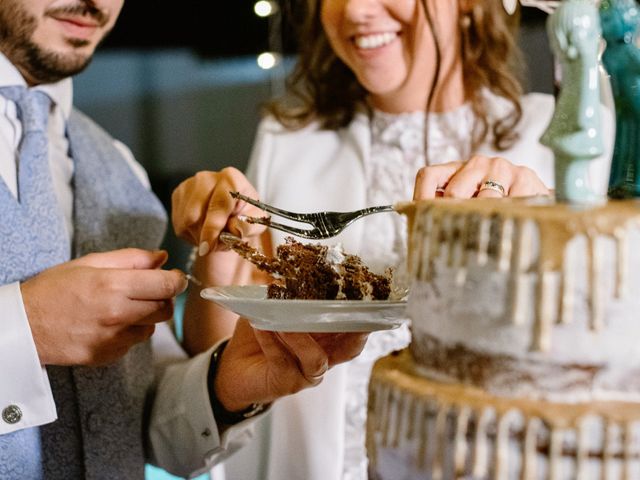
x: 576, y: 315
x: 477, y: 315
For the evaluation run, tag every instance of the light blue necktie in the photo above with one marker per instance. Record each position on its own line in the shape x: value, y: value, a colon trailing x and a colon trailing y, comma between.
x: 34, y: 178
x: 36, y: 209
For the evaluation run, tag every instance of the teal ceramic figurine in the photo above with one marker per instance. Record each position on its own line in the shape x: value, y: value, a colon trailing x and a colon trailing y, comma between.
x: 574, y: 134
x: 619, y: 19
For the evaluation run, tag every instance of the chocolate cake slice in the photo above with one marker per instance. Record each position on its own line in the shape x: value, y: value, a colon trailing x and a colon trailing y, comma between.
x: 315, y: 272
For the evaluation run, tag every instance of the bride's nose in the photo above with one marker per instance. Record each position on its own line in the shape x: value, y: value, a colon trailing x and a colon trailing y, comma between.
x: 362, y: 10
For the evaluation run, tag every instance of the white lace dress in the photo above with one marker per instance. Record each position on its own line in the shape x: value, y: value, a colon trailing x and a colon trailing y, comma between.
x: 396, y: 155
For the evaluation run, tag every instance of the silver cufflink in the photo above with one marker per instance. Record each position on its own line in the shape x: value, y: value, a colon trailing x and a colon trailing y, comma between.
x: 12, y: 414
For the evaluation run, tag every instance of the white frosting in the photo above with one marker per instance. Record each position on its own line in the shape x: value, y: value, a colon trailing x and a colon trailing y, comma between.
x: 479, y: 304
x: 335, y: 256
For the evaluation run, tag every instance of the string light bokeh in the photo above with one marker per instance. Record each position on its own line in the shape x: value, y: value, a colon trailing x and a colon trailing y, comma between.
x: 271, y: 60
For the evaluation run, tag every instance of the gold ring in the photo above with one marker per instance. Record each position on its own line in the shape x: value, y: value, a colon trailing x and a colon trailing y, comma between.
x: 492, y: 185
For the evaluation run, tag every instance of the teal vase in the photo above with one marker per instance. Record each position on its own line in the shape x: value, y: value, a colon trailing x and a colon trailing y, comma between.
x: 619, y: 20
x: 574, y: 133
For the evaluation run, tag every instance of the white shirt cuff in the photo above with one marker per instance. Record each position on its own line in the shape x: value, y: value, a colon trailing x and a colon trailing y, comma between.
x: 24, y: 385
x: 183, y: 434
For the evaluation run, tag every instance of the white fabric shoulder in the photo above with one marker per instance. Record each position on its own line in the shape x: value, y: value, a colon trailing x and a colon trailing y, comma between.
x: 537, y: 109
x: 543, y: 100
x: 269, y: 124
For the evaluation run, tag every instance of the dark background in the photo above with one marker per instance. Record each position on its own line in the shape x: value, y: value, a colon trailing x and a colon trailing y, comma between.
x: 212, y: 28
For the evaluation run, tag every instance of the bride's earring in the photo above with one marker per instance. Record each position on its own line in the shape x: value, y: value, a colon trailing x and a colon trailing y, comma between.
x: 510, y: 6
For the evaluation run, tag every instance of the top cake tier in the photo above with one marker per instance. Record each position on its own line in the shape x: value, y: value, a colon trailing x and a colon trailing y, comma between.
x: 526, y: 296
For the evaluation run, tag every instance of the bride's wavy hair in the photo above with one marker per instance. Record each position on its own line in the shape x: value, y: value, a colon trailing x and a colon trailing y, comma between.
x: 321, y: 87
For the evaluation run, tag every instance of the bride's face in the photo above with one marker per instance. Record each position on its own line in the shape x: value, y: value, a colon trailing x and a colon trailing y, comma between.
x: 387, y: 44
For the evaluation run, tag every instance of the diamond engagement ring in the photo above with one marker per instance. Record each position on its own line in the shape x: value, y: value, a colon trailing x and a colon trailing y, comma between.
x: 492, y: 185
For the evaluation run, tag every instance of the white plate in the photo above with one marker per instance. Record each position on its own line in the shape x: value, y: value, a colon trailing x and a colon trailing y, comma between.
x: 252, y: 303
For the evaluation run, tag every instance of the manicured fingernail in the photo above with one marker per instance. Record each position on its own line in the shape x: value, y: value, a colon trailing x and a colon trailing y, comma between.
x: 203, y: 249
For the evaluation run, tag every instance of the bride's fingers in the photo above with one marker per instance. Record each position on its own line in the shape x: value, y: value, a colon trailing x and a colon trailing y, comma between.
x: 527, y: 188
x: 188, y: 203
x: 243, y: 229
x: 431, y: 180
x: 222, y: 209
x: 481, y: 171
x: 492, y: 187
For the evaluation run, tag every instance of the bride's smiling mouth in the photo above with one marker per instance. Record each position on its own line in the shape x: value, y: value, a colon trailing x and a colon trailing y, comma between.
x: 374, y: 40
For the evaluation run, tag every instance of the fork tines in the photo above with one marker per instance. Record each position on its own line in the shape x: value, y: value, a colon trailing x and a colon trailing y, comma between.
x: 300, y: 217
x: 267, y: 221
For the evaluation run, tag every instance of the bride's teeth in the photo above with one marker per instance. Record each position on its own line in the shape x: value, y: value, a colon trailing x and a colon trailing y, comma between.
x: 375, y: 41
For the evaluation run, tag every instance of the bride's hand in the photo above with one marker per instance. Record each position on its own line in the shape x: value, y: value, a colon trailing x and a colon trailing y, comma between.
x: 491, y: 177
x: 202, y: 208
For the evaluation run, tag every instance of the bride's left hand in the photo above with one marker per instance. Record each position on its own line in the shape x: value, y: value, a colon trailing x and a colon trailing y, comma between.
x: 490, y: 177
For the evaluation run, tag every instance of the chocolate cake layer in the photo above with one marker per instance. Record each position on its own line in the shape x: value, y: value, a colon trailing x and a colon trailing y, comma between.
x: 509, y: 376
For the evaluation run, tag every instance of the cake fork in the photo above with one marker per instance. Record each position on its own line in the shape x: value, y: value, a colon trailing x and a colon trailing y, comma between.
x: 324, y: 224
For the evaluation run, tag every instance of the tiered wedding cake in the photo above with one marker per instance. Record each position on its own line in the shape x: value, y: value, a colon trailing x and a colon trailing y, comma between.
x: 525, y: 356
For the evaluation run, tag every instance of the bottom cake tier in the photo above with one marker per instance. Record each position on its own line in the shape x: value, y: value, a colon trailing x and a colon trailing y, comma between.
x: 418, y: 428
